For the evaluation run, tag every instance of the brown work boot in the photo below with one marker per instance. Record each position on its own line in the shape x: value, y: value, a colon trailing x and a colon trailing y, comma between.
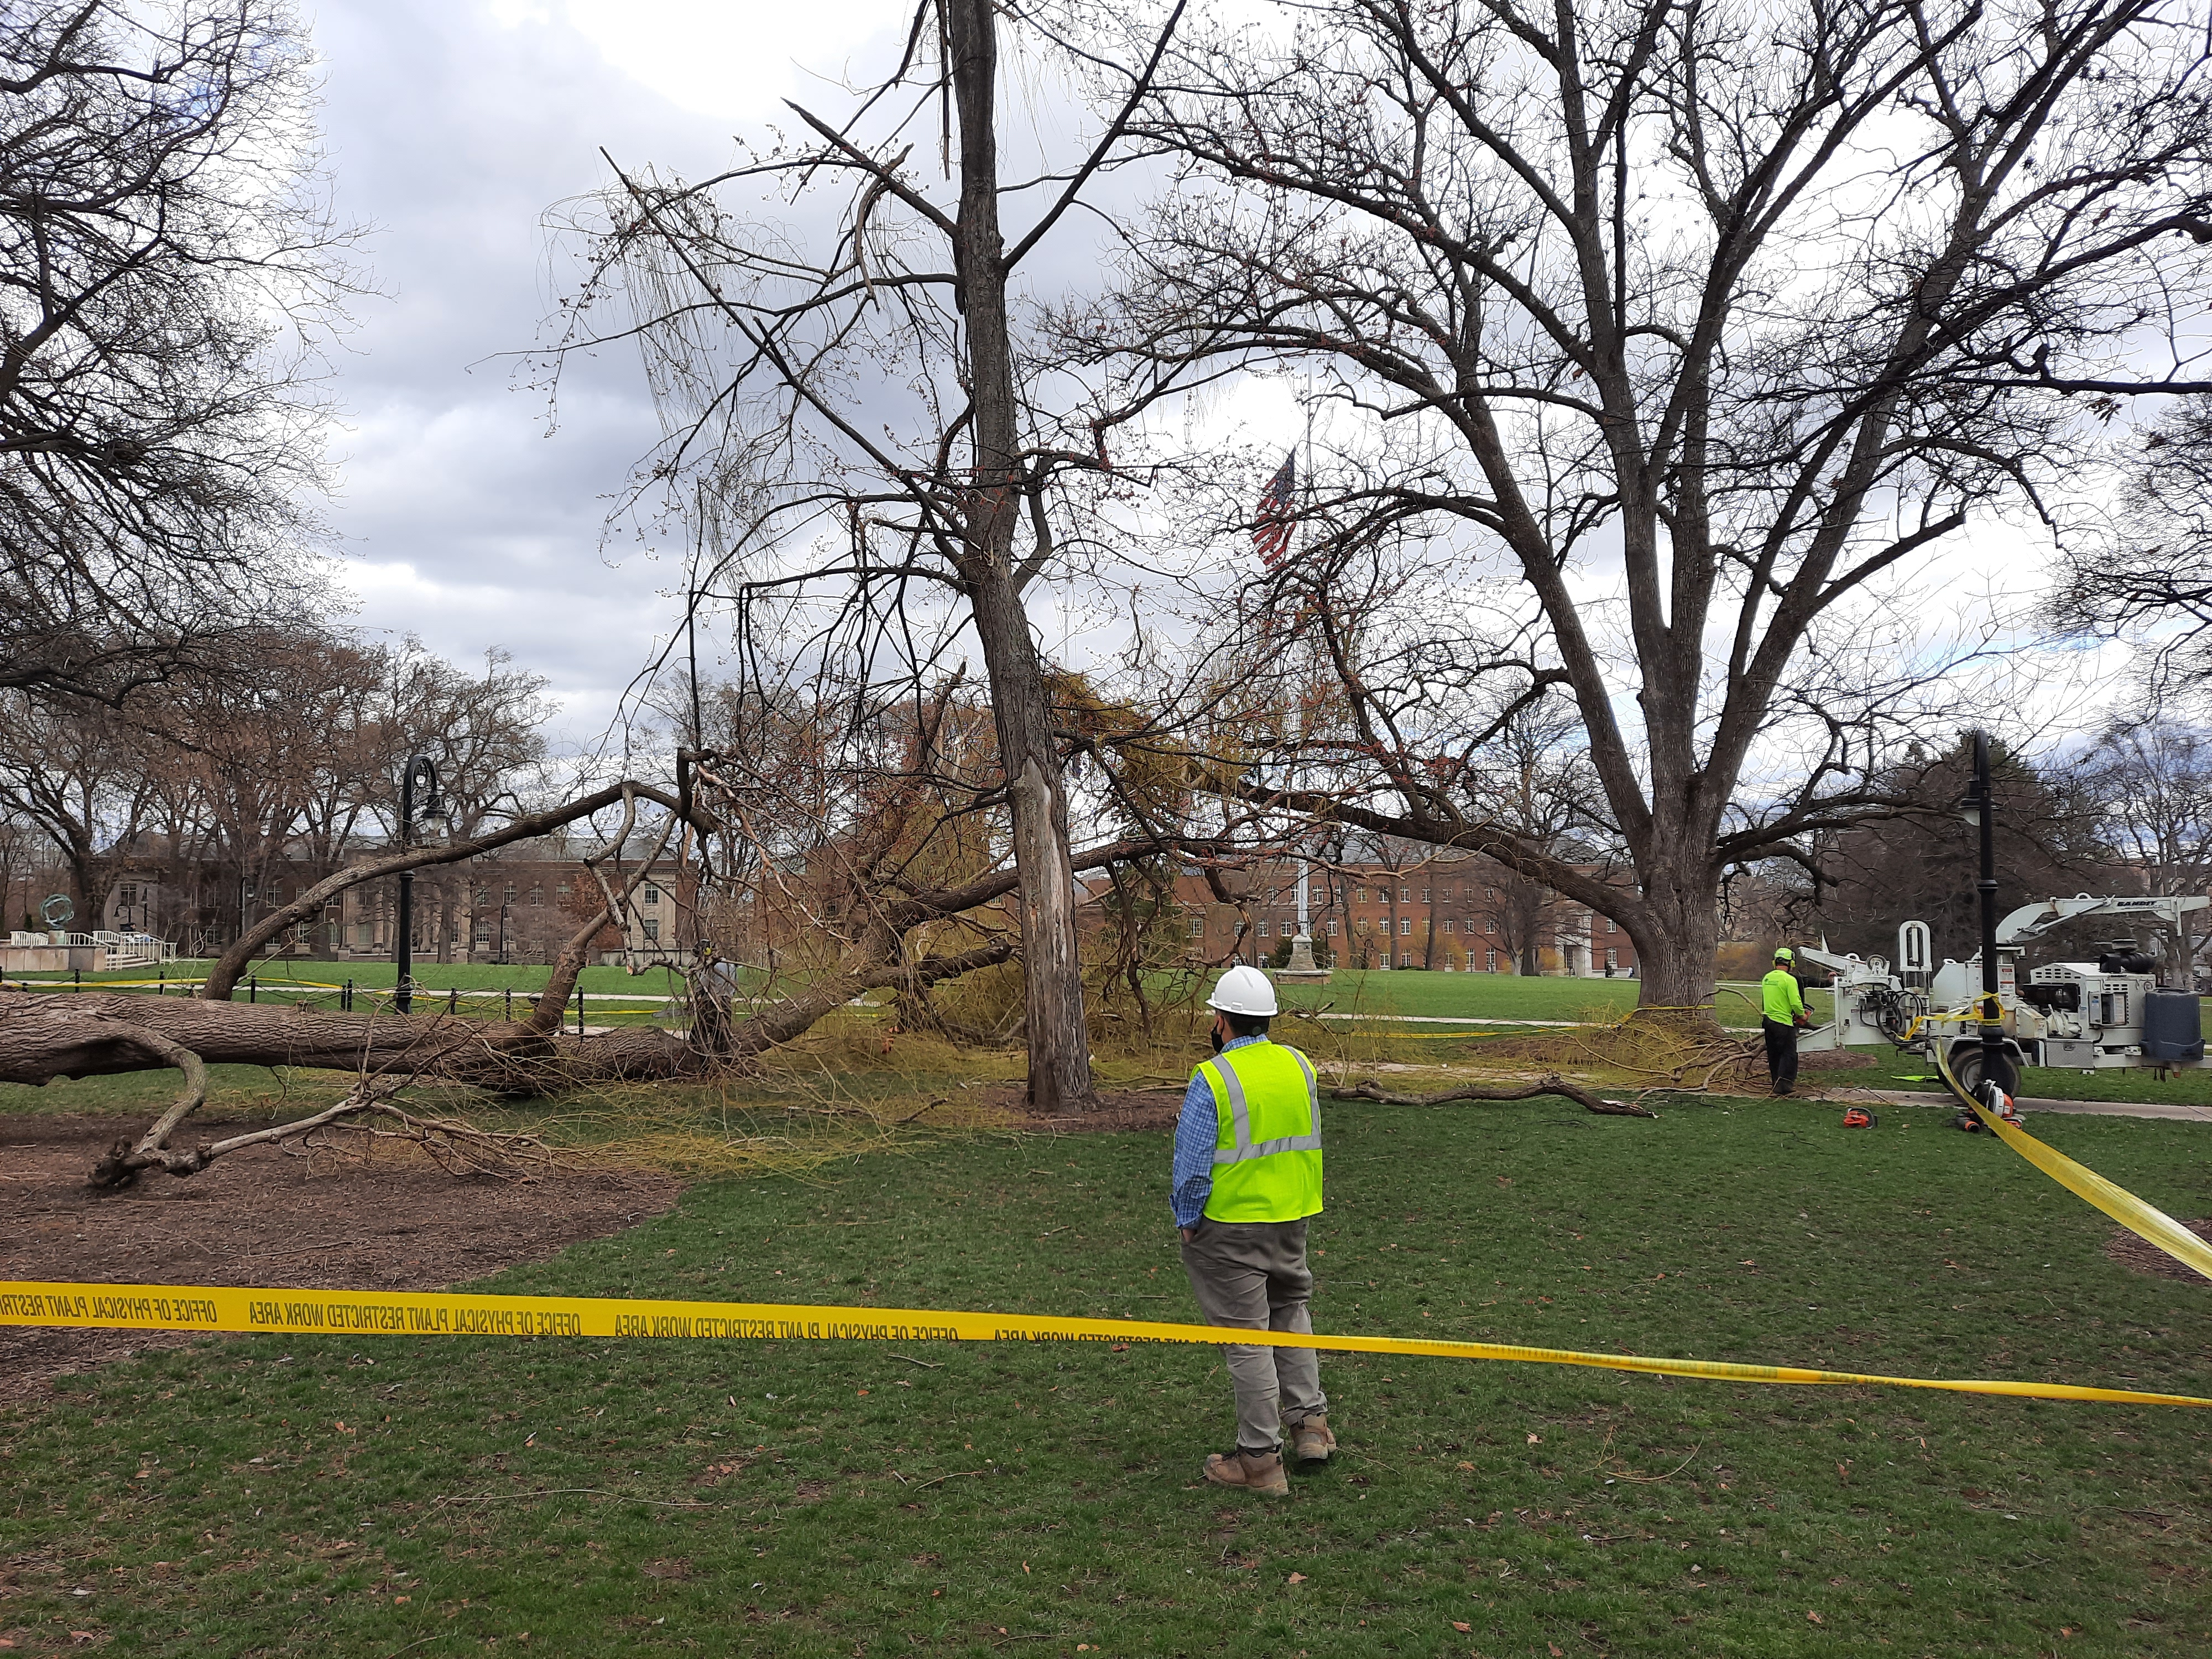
x: 1259, y: 1472
x: 1312, y: 1440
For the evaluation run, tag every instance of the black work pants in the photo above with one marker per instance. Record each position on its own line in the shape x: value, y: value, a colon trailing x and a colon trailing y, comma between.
x: 1781, y: 1055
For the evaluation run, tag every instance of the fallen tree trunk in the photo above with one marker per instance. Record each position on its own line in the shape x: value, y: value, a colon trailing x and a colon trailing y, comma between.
x: 1552, y: 1085
x: 45, y: 1035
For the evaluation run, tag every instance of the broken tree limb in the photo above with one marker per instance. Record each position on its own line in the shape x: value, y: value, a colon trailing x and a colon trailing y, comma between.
x: 1552, y: 1084
x: 458, y: 1148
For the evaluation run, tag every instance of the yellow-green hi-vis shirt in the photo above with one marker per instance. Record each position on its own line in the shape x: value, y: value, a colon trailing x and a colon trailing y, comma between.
x: 1780, y: 999
x: 1266, y: 1156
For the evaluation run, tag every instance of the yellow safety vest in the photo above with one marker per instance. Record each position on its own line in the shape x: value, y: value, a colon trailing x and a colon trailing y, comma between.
x: 1266, y: 1151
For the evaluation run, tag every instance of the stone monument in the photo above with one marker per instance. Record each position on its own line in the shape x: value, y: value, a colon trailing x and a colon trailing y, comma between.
x: 1301, y: 969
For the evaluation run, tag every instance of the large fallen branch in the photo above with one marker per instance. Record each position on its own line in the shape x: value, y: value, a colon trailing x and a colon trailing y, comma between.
x: 1553, y: 1084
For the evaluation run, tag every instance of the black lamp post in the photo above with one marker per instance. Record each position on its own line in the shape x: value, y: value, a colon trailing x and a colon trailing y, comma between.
x: 417, y: 766
x: 1979, y: 809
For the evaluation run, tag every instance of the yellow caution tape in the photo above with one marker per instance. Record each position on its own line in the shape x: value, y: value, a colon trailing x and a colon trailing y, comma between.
x: 314, y: 1312
x: 2144, y: 1220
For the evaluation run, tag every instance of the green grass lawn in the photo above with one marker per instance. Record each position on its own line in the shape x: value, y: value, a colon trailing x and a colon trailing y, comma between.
x: 378, y: 1495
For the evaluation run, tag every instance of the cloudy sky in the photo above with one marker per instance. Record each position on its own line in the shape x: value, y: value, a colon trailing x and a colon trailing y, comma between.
x: 451, y: 127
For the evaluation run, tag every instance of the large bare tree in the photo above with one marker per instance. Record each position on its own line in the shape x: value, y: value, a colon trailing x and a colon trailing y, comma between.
x: 1696, y: 328
x: 860, y: 426
x: 166, y: 272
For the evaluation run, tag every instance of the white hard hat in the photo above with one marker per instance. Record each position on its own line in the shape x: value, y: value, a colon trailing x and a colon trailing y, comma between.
x: 1243, y: 991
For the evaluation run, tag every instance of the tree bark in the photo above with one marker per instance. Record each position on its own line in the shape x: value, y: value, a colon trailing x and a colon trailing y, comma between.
x: 1059, y: 1038
x: 1550, y: 1084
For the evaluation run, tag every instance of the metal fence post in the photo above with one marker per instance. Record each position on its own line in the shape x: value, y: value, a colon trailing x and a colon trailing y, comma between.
x: 453, y: 999
x: 253, y: 989
x: 580, y: 1008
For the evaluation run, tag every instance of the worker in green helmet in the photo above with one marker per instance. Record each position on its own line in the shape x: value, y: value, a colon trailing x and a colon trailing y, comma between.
x: 1782, y: 1015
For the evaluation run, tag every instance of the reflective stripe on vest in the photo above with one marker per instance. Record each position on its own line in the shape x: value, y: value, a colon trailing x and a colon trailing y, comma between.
x: 1240, y: 1115
x: 1261, y: 1174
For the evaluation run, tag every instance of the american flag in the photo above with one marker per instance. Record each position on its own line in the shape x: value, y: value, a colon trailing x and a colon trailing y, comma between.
x: 1270, y: 531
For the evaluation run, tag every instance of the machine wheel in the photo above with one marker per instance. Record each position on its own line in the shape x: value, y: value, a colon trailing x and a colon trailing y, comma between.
x: 1966, y: 1066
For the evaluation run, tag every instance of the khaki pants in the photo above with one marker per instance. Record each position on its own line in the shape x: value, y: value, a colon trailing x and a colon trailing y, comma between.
x: 1254, y: 1274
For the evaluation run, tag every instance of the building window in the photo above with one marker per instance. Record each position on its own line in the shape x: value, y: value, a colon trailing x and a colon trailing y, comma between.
x: 653, y: 930
x: 1332, y: 927
x: 1404, y: 958
x: 1490, y: 892
x: 1612, y: 927
x: 1405, y: 923
x: 1359, y: 924
x: 1198, y: 926
x: 1490, y: 924
x: 1612, y: 960
x: 652, y: 895
x: 1444, y: 893
x: 1490, y: 959
x: 1450, y: 926
x: 510, y: 892
x: 127, y: 894
x: 1425, y: 895
x: 1404, y: 893
x: 1263, y: 928
x: 484, y: 931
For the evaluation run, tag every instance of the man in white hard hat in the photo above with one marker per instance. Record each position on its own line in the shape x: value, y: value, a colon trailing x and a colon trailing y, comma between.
x: 1247, y: 1175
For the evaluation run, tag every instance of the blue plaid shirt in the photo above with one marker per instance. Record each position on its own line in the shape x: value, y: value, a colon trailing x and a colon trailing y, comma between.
x: 1198, y: 1131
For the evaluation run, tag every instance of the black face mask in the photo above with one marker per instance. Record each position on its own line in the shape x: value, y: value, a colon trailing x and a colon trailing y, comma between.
x: 1214, y: 1037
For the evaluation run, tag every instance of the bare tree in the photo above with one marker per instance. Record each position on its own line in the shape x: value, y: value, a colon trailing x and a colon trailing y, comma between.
x: 916, y: 467
x: 2152, y: 778
x: 165, y: 268
x: 1740, y: 320
x: 2152, y: 579
x: 77, y: 774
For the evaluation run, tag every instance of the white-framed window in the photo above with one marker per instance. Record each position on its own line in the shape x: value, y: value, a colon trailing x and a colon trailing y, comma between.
x: 1612, y: 960
x: 1263, y: 927
x: 1490, y: 892
x: 652, y: 895
x: 1404, y: 958
x: 653, y: 930
x: 1491, y: 960
x: 509, y: 897
x: 1490, y: 924
x: 1450, y: 926
x: 1332, y: 927
x: 536, y: 897
x: 1198, y: 926
x: 1404, y: 893
x: 1405, y: 923
x: 1425, y: 895
x: 1612, y: 927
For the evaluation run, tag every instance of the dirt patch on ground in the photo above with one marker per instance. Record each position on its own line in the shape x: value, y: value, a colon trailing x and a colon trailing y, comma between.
x: 1119, y: 1109
x: 261, y: 1217
x: 2145, y: 1257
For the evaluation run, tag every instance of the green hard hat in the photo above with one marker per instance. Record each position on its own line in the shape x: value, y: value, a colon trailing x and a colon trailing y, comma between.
x: 1783, y: 953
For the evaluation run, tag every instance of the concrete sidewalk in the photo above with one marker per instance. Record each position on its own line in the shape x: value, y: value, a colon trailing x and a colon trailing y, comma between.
x: 2154, y: 1108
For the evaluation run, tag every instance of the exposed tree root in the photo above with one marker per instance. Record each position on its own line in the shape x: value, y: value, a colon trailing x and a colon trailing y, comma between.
x: 1550, y: 1084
